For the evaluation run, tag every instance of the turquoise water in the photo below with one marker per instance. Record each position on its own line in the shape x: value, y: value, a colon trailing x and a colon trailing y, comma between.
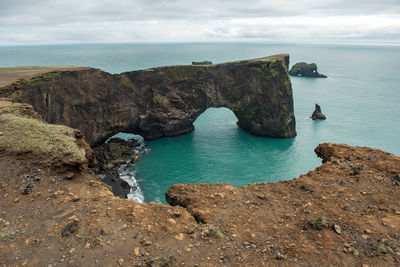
x: 360, y: 99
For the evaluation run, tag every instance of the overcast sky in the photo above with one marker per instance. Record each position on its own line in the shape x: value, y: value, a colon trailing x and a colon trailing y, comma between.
x: 24, y: 22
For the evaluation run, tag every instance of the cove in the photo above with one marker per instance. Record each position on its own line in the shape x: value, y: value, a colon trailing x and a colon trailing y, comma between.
x: 216, y: 151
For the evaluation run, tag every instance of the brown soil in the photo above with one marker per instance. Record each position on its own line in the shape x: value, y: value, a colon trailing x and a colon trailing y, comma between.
x: 13, y: 74
x: 344, y: 213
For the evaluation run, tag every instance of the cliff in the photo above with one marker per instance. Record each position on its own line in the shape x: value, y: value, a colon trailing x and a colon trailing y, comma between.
x: 163, y: 101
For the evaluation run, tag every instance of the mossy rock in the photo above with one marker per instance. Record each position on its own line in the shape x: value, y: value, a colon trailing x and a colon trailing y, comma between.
x: 26, y: 135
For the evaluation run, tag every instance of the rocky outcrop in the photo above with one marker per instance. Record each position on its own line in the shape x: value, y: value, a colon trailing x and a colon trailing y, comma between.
x: 307, y: 70
x: 116, y: 153
x: 24, y: 134
x: 317, y: 114
x: 163, y: 101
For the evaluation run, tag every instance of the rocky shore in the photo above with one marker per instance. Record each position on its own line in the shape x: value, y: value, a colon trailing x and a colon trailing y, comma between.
x: 54, y: 211
x: 113, y: 155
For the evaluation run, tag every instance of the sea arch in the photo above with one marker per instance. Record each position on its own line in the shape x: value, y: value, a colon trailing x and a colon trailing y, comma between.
x: 164, y: 101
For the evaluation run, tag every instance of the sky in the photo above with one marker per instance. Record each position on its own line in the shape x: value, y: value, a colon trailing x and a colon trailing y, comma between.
x: 31, y: 22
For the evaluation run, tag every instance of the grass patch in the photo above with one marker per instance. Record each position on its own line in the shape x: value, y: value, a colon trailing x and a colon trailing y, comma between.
x: 21, y: 134
x: 219, y: 234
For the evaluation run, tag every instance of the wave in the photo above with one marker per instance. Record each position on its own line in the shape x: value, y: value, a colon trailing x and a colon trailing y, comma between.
x: 128, y: 175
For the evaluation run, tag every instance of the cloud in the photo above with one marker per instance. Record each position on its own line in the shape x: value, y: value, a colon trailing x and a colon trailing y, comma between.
x: 104, y: 21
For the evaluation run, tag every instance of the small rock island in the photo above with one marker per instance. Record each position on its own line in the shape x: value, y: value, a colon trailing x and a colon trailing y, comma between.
x: 205, y: 62
x: 317, y: 114
x: 306, y: 70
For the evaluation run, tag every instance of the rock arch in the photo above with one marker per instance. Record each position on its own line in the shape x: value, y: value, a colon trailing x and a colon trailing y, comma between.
x: 164, y: 101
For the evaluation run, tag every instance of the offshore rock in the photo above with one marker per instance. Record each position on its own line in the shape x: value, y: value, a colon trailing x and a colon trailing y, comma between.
x: 317, y: 114
x: 163, y: 101
x: 205, y: 62
x: 307, y: 70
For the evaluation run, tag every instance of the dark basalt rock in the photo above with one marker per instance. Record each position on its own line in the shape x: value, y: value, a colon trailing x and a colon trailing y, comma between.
x: 114, y: 153
x: 317, y: 114
x: 205, y: 62
x: 119, y: 187
x: 164, y: 101
x: 109, y: 158
x: 307, y: 70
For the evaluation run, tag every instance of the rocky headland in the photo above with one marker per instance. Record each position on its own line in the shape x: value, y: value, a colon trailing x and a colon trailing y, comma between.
x: 306, y: 70
x: 163, y: 101
x: 55, y: 211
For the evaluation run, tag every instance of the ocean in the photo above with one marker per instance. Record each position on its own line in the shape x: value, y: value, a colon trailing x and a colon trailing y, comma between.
x: 360, y: 98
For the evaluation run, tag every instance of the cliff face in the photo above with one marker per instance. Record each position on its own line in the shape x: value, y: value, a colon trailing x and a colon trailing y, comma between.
x: 164, y: 101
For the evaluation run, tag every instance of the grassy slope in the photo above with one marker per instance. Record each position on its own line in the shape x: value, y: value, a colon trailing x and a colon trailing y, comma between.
x: 22, y: 132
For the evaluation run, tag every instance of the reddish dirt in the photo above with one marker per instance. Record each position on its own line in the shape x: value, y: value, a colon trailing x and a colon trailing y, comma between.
x: 344, y: 213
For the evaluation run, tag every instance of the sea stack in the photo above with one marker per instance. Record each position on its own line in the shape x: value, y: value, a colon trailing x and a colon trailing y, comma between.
x: 317, y: 114
x: 307, y: 70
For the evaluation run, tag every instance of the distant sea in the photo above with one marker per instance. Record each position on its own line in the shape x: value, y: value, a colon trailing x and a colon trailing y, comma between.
x: 360, y: 97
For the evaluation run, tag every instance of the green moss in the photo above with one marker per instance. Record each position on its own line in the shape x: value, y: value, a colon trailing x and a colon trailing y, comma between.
x: 161, y: 100
x: 22, y: 135
x: 126, y: 81
x: 181, y: 73
x: 274, y: 73
x: 219, y: 234
x: 52, y: 75
x: 47, y: 76
x: 252, y: 113
x: 21, y: 109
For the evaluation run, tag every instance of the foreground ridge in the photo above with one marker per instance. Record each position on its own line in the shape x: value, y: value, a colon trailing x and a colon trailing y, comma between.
x: 54, y: 211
